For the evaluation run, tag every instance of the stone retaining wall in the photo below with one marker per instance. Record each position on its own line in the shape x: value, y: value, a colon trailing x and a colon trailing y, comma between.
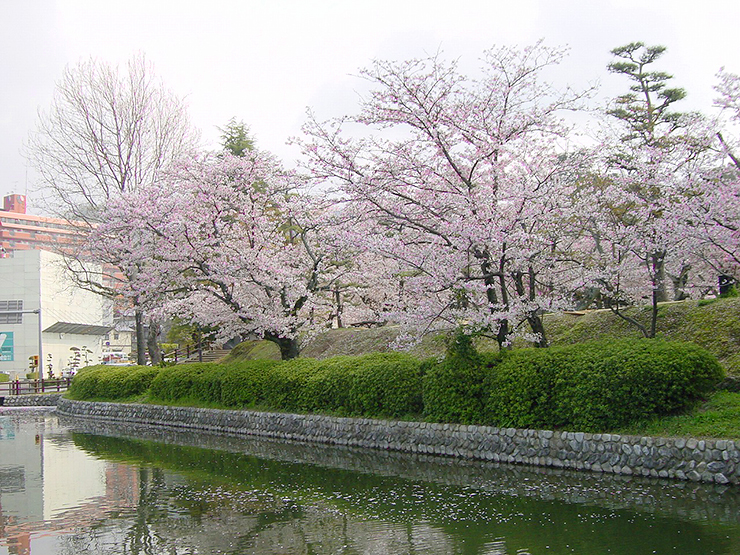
x: 46, y: 400
x: 684, y: 459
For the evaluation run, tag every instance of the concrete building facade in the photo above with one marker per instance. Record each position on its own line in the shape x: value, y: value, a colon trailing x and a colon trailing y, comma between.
x: 70, y: 317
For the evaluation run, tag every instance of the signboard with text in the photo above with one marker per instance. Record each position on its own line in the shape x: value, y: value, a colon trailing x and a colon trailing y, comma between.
x: 6, y: 346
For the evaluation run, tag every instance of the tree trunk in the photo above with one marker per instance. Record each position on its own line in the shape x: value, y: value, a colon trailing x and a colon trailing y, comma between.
x: 535, y: 322
x: 533, y: 319
x: 660, y: 293
x: 659, y: 276
x: 679, y: 283
x: 155, y: 355
x: 338, y: 300
x: 489, y: 279
x: 654, y: 315
x: 140, y: 337
x: 288, y: 347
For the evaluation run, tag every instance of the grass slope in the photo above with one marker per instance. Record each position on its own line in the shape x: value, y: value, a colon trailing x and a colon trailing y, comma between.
x: 715, y: 325
x: 718, y: 417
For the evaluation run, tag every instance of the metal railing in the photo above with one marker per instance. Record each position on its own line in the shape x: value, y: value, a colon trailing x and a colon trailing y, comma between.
x: 186, y: 352
x: 31, y: 387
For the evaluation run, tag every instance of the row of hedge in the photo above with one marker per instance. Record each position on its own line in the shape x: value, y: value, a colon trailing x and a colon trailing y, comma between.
x: 590, y: 387
x: 376, y: 385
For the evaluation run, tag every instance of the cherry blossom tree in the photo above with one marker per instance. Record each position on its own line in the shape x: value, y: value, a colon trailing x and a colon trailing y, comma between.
x: 641, y: 227
x: 717, y: 209
x: 242, y: 246
x: 462, y: 184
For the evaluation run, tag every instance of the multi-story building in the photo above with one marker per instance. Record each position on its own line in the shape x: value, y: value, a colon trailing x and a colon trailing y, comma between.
x: 22, y: 231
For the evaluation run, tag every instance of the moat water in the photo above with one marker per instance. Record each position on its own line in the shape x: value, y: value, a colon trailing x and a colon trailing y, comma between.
x: 70, y: 487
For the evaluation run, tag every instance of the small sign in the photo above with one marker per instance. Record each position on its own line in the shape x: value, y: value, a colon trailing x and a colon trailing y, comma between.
x: 6, y: 346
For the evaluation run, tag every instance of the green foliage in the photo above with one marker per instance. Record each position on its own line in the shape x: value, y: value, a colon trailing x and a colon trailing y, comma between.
x: 381, y: 384
x: 32, y: 376
x: 719, y: 417
x: 454, y: 390
x: 599, y: 386
x: 197, y: 381
x: 375, y: 385
x: 647, y: 104
x: 712, y: 324
x: 112, y: 382
x: 4, y: 377
x: 595, y: 386
x: 236, y: 139
x: 731, y: 293
x: 260, y: 384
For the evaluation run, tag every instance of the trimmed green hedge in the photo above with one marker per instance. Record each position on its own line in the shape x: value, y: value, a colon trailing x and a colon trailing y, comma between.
x: 199, y: 381
x: 377, y: 385
x: 599, y: 386
x: 596, y: 386
x: 590, y: 387
x: 112, y: 382
x: 455, y: 388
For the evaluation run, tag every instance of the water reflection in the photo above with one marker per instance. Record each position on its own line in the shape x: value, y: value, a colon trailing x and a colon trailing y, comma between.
x: 117, y: 489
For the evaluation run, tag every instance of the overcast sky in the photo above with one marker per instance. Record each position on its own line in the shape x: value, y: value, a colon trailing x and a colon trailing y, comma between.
x: 265, y: 62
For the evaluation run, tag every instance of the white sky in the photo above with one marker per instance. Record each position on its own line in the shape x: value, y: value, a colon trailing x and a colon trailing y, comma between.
x: 265, y: 62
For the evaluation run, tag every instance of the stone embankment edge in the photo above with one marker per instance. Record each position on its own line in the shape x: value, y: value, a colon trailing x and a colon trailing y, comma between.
x: 714, y: 461
x: 45, y: 400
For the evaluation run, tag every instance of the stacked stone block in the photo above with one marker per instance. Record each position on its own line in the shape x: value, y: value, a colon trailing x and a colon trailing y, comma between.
x: 696, y: 460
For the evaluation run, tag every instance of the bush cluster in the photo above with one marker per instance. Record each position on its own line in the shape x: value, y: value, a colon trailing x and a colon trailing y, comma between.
x: 454, y: 389
x: 595, y: 386
x: 591, y: 387
x: 379, y: 385
x: 112, y: 382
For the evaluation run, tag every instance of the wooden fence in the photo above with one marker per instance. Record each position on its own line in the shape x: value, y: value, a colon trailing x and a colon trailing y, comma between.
x: 31, y: 387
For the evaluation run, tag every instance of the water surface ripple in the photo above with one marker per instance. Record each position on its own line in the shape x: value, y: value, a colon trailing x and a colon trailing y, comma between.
x: 75, y: 486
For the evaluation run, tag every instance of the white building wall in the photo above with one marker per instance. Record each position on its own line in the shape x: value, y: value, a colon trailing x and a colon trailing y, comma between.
x: 62, y: 301
x: 20, y: 279
x: 38, y: 279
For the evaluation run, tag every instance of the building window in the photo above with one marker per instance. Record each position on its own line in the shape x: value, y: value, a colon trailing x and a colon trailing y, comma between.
x: 115, y: 336
x: 8, y: 314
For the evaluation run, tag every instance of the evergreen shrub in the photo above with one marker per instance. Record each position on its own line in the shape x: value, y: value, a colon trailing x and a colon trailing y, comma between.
x: 384, y: 384
x: 376, y: 385
x: 598, y: 386
x: 262, y: 384
x: 197, y: 381
x: 589, y: 387
x: 112, y: 382
x: 455, y: 388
